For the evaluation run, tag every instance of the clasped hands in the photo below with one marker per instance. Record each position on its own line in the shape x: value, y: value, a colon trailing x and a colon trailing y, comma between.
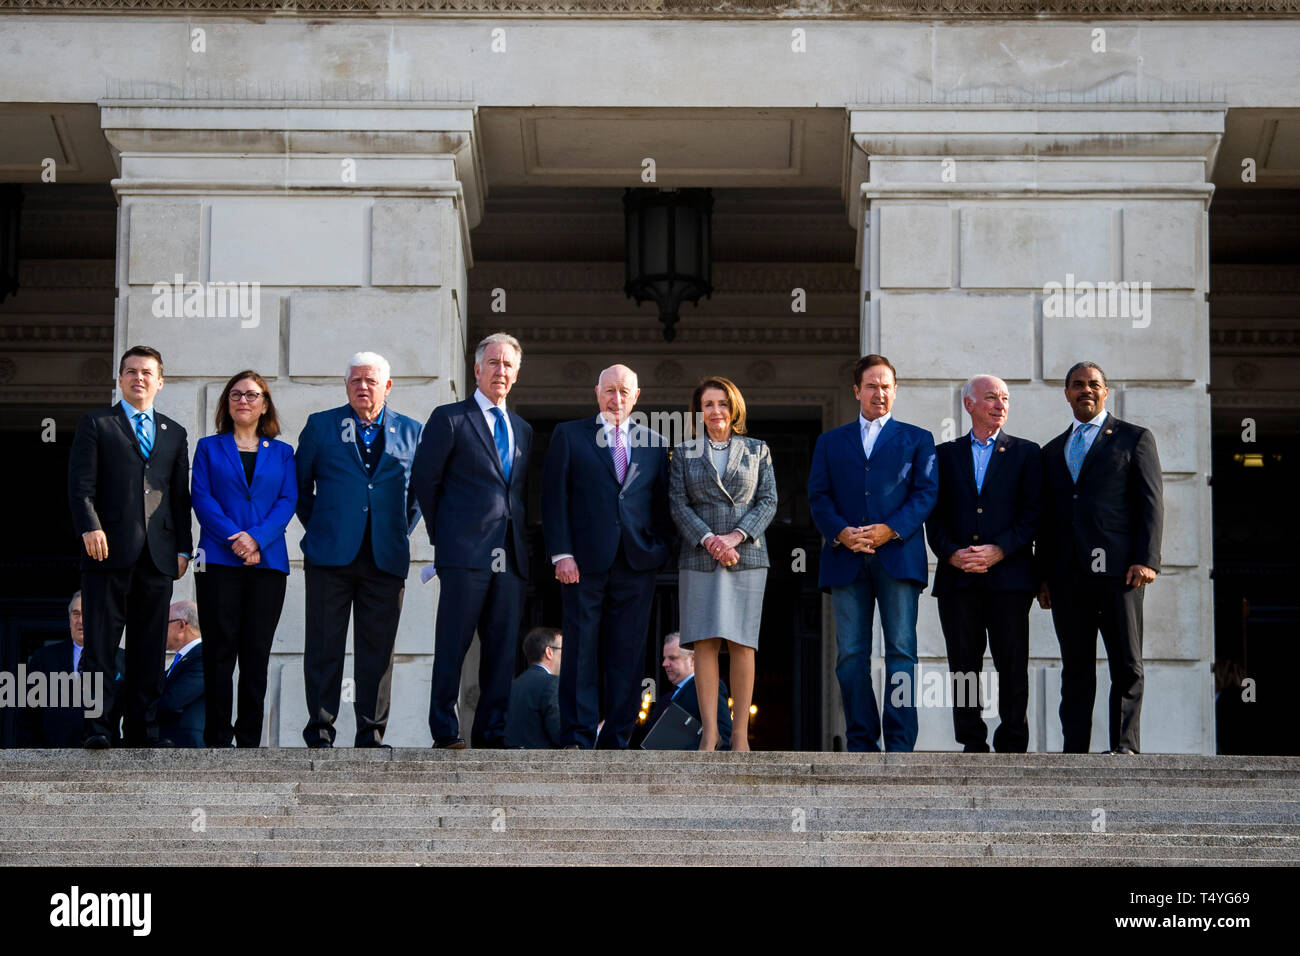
x: 245, y: 546
x: 976, y: 559
x: 723, y: 547
x: 865, y: 539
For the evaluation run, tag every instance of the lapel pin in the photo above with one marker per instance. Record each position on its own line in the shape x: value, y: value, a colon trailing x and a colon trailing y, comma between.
x: 266, y: 444
x: 392, y: 428
x: 1002, y: 447
x: 163, y: 425
x: 1107, y: 432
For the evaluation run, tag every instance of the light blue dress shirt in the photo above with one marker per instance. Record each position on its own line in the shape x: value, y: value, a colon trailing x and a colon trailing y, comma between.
x: 980, y: 455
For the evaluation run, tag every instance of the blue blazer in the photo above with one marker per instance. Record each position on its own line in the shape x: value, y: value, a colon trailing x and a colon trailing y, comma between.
x: 586, y: 513
x: 336, y: 496
x: 897, y: 487
x: 226, y: 503
x: 181, y: 711
x: 466, y: 500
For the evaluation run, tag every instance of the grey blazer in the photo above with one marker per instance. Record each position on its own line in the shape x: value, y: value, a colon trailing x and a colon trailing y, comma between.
x: 702, y: 502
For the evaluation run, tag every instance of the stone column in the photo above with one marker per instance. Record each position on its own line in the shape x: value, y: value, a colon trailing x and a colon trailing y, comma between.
x: 969, y: 215
x: 353, y: 222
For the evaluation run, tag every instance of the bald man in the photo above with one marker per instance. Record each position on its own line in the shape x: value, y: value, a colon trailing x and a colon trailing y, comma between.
x: 608, y: 531
x: 982, y: 531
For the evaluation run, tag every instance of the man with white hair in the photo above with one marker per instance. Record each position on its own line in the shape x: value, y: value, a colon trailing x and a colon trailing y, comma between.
x: 356, y: 503
x: 607, y: 528
x: 469, y: 477
x: 982, y: 531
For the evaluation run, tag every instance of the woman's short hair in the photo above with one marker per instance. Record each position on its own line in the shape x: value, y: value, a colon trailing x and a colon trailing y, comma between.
x: 735, y: 401
x: 268, y: 426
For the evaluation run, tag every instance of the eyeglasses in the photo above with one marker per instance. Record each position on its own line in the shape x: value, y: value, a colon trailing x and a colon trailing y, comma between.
x: 555, y: 647
x: 250, y: 397
x: 176, y: 620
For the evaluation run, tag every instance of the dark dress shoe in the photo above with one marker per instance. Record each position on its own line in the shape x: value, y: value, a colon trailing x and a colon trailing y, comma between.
x: 97, y: 742
x: 320, y: 745
x: 449, y: 743
x: 573, y: 747
x: 496, y: 743
x: 164, y: 743
x: 976, y: 749
x: 374, y: 745
x: 1123, y: 750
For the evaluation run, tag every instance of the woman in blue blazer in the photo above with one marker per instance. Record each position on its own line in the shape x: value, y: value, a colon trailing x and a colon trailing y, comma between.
x: 245, y: 489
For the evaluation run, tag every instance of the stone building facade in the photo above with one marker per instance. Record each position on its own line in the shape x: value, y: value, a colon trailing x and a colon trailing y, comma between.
x: 407, y: 177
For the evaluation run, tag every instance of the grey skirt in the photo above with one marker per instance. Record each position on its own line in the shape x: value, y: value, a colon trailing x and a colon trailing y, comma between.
x: 718, y: 603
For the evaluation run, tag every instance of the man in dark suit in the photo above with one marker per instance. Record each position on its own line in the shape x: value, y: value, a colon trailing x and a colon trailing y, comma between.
x: 533, y: 722
x: 181, y: 711
x: 1098, y: 547
x: 872, y: 484
x: 356, y: 503
x: 607, y: 528
x: 56, y: 726
x: 982, y: 531
x: 679, y: 666
x: 470, y: 473
x: 128, y: 486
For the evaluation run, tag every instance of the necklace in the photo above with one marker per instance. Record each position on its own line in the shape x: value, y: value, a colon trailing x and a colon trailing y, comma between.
x: 719, y: 445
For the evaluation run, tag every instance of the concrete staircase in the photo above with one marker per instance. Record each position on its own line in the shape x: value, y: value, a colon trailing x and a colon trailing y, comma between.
x: 425, y: 807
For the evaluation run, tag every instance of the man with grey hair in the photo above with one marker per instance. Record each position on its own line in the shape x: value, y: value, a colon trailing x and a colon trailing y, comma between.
x: 181, y: 710
x: 358, y: 508
x: 982, y: 531
x: 607, y: 528
x: 60, y: 726
x: 469, y: 478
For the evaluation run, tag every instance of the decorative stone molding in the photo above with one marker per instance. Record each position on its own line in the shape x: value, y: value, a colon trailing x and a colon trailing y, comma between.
x: 689, y: 9
x: 787, y: 338
x: 1254, y: 280
x: 606, y: 278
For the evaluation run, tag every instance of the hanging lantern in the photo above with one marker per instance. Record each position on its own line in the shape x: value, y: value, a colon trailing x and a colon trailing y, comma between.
x: 11, y: 206
x: 669, y: 258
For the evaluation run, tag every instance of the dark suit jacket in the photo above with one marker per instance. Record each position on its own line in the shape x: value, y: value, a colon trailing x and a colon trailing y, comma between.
x: 64, y: 726
x: 587, y: 513
x: 336, y: 497
x: 138, y: 504
x: 1004, y: 513
x: 1116, y: 506
x: 181, y: 709
x: 898, y: 487
x: 533, y: 721
x: 226, y: 503
x: 688, y: 699
x: 463, y: 492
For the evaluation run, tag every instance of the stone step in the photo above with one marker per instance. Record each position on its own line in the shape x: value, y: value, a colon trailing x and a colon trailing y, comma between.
x: 204, y: 857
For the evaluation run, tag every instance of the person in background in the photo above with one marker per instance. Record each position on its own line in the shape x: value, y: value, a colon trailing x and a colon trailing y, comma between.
x: 245, y: 489
x: 679, y: 667
x: 181, y: 710
x: 533, y: 720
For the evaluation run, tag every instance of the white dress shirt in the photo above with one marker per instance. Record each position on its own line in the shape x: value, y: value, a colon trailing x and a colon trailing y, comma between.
x: 485, y: 403
x: 871, y: 431
x: 608, y: 442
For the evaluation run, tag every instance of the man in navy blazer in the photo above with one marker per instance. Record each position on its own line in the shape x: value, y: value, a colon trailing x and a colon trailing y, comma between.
x: 356, y: 502
x: 129, y: 491
x: 679, y: 667
x: 181, y: 710
x: 607, y: 528
x: 470, y: 472
x: 533, y: 722
x: 982, y: 532
x: 872, y: 484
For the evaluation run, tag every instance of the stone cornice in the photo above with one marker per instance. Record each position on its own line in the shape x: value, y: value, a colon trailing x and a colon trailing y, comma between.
x: 688, y: 9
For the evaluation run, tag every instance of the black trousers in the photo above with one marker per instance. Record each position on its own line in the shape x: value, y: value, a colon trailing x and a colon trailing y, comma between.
x: 606, y: 615
x: 374, y: 598
x: 970, y: 616
x: 137, y: 598
x: 239, y: 609
x: 491, y: 603
x: 1082, y: 605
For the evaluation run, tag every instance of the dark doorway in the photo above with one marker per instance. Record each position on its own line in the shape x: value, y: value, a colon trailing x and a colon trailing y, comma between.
x: 787, y: 689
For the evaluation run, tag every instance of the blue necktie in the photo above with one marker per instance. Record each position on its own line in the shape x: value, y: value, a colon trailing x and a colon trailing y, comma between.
x: 142, y: 435
x: 502, y: 438
x: 176, y: 659
x: 1074, y: 457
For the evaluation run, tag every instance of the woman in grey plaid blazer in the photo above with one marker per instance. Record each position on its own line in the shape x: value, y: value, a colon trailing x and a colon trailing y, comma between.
x: 722, y: 493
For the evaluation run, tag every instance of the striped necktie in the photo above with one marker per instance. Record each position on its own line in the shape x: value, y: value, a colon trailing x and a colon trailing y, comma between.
x: 620, y: 455
x: 142, y: 434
